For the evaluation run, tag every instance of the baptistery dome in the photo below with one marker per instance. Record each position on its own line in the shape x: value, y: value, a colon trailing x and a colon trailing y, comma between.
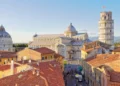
x: 6, y: 43
x: 3, y: 33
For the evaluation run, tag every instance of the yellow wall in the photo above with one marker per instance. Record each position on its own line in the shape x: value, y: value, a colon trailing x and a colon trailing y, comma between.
x: 48, y: 56
x: 5, y: 73
x: 83, y: 54
x: 5, y: 60
x: 9, y: 72
x: 28, y: 53
x: 34, y: 55
x: 61, y: 61
x: 115, y: 52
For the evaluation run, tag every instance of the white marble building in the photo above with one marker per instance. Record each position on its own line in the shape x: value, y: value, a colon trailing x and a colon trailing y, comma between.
x: 67, y: 44
x: 106, y: 28
x: 6, y: 43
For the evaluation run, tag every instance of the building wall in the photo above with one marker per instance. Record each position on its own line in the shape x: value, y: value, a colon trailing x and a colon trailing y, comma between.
x: 6, y: 73
x: 5, y: 60
x: 28, y: 54
x: 77, y: 53
x: 115, y: 52
x: 16, y: 70
x: 34, y: 55
x: 6, y: 44
x: 81, y: 37
x: 70, y: 34
x: 83, y: 54
x: 60, y: 59
x: 106, y: 28
x: 92, y: 75
x: 47, y: 56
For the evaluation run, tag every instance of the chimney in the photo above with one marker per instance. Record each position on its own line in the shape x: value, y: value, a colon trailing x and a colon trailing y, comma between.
x: 37, y: 63
x: 29, y: 61
x: 33, y: 72
x: 16, y: 84
x: 12, y: 66
x: 54, y: 65
x: 37, y: 73
x: 36, y: 85
x: 23, y: 61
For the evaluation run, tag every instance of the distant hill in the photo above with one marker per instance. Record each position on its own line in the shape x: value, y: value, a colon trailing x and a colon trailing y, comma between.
x: 116, y: 38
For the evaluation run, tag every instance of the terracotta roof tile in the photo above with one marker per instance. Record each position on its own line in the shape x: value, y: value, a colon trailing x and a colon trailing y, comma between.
x: 44, y: 50
x: 6, y: 67
x: 51, y: 70
x: 93, y: 45
x: 7, y: 54
x: 101, y: 59
x: 25, y: 61
x: 111, y: 63
x: 45, y: 78
x: 91, y: 49
x: 23, y: 79
x: 58, y: 55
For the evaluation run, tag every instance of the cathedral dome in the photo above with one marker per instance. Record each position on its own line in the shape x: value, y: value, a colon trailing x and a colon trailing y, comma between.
x: 71, y: 28
x: 3, y: 33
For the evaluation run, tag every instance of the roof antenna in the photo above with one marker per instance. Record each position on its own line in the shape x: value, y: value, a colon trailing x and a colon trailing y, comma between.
x: 38, y: 63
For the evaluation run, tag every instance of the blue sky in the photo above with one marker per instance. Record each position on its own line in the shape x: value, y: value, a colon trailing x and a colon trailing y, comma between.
x: 23, y: 18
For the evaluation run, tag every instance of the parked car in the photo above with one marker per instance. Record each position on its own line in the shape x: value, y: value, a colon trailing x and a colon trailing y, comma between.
x: 79, y: 77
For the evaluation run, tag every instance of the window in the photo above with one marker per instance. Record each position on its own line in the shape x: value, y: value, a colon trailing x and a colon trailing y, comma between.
x: 16, y: 57
x: 42, y: 58
x: 110, y: 31
x: 104, y: 17
x: 46, y: 57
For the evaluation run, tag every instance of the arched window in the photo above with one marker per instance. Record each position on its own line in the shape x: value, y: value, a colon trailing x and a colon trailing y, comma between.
x: 104, y: 17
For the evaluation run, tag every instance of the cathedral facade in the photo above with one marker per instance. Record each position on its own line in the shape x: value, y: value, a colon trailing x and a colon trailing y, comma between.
x: 67, y: 44
x: 6, y: 43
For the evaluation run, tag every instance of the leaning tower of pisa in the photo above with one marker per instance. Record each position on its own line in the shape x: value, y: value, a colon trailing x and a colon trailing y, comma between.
x: 106, y: 28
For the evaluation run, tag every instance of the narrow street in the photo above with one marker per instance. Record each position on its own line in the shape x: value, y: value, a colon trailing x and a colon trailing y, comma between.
x: 69, y: 76
x: 70, y: 80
